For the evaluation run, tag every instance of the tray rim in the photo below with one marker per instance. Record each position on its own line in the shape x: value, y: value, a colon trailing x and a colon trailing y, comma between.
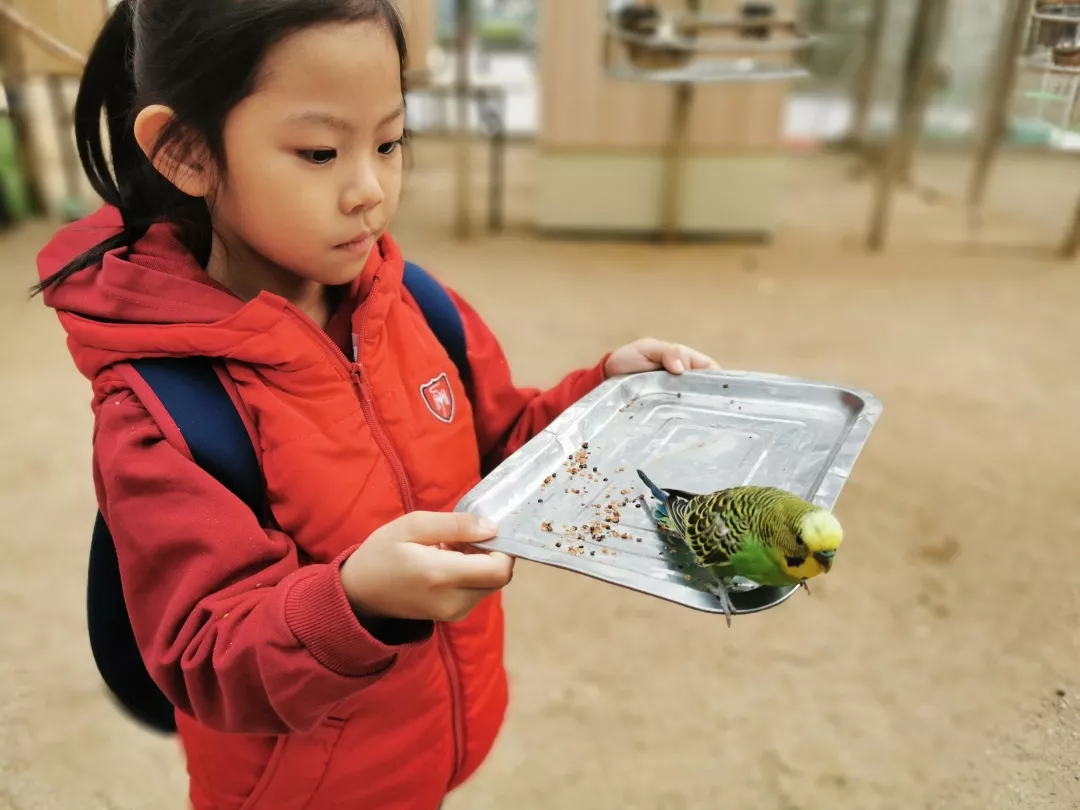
x: 826, y: 494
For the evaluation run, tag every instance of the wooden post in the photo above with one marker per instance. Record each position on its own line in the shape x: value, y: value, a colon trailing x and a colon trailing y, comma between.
x: 675, y: 162
x: 463, y: 24
x: 862, y: 95
x: 675, y: 159
x: 1011, y: 41
x: 887, y: 172
x: 817, y: 15
x: 1071, y: 244
x: 921, y: 78
x: 920, y: 75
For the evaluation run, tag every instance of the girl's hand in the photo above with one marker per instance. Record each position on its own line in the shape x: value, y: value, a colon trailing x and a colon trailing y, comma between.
x: 649, y: 354
x: 411, y: 568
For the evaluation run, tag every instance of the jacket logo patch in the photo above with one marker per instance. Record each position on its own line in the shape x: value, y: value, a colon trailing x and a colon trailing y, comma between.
x: 439, y: 398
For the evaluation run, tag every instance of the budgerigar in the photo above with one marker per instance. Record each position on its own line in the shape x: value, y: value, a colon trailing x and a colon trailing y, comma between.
x: 764, y: 534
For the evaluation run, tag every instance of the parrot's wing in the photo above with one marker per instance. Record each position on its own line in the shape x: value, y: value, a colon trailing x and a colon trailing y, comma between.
x: 721, y: 543
x: 681, y: 493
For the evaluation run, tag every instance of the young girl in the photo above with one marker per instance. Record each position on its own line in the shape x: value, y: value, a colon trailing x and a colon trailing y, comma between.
x: 345, y: 653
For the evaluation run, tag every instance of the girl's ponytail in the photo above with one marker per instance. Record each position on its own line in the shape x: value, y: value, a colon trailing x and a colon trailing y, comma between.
x: 131, y: 185
x: 108, y: 84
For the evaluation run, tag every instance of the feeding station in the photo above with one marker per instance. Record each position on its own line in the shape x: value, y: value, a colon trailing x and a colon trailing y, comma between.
x: 664, y: 118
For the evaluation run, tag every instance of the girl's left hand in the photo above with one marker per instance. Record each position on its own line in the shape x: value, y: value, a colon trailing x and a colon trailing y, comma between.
x: 648, y: 354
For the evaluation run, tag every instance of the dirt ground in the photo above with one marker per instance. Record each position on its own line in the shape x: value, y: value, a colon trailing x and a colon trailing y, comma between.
x: 937, y: 667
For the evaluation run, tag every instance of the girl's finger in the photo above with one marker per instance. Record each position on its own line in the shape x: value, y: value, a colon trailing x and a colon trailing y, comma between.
x: 699, y: 360
x: 686, y: 355
x: 651, y: 349
x: 435, y: 528
x: 672, y: 359
x: 485, y: 571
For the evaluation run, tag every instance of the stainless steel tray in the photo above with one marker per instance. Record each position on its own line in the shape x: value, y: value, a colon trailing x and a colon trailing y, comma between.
x: 700, y: 431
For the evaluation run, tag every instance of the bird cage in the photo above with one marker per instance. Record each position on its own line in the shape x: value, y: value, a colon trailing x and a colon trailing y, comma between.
x: 1053, y: 59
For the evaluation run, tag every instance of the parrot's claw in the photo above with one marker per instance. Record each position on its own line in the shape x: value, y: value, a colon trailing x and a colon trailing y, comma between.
x: 717, y: 589
x: 805, y: 587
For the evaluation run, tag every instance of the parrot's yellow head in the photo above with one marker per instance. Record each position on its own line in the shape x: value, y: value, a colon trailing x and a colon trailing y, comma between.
x: 820, y: 532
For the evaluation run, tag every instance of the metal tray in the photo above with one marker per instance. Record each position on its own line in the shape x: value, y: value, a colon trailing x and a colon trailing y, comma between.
x: 701, y: 431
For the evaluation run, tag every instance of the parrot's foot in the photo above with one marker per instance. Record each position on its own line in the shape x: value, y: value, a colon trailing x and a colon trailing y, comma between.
x: 805, y: 586
x: 717, y: 589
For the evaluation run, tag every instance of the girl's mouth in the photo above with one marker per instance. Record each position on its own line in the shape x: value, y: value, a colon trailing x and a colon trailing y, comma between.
x: 359, y: 245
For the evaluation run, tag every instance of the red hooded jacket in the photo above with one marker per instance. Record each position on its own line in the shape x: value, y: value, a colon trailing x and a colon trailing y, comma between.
x: 283, y: 699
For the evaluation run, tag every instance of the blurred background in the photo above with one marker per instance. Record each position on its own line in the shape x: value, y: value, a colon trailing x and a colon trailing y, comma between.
x: 878, y: 193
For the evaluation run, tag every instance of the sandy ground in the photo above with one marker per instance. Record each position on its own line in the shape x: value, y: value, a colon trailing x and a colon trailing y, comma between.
x: 938, y: 667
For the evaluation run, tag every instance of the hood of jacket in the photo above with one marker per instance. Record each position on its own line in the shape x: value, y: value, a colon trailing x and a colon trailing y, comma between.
x: 155, y: 300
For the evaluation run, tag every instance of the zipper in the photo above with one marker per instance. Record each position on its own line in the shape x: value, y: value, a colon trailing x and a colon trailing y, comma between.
x: 358, y: 376
x: 381, y: 439
x: 361, y: 385
x: 457, y: 721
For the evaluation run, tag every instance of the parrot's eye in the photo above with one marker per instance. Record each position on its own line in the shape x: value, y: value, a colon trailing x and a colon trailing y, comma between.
x: 799, y: 540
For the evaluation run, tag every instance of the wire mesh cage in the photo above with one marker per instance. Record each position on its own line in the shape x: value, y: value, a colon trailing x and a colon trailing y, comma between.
x: 1048, y: 92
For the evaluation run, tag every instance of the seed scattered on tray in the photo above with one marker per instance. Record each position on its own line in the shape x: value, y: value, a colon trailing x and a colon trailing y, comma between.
x: 546, y: 526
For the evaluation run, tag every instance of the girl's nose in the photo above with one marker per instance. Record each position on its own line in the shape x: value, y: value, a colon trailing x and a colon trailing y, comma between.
x: 363, y: 193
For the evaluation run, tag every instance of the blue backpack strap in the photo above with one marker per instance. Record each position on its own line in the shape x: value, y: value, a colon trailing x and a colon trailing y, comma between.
x: 442, y: 317
x: 189, y: 389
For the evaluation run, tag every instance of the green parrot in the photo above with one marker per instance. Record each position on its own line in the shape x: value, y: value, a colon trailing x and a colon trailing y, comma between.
x: 764, y: 534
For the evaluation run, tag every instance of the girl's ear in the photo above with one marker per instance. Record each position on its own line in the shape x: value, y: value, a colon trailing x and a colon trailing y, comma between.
x: 183, y: 162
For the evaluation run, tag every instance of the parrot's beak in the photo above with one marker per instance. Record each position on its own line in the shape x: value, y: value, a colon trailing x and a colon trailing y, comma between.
x: 825, y: 558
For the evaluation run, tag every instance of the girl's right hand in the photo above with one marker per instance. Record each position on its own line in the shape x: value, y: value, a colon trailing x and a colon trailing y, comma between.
x: 409, y: 568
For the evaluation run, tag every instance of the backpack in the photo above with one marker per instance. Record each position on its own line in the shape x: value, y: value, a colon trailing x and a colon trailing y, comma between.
x: 194, y: 397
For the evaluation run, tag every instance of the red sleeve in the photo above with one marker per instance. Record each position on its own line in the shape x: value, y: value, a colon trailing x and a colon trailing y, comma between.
x: 233, y: 629
x: 507, y: 416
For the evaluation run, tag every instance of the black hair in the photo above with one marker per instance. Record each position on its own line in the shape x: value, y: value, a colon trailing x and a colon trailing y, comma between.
x: 200, y: 58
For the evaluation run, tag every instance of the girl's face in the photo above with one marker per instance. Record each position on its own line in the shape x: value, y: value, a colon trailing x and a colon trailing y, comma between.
x: 314, y: 162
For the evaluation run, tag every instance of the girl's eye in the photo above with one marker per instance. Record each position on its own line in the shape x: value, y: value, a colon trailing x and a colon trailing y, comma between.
x: 388, y: 148
x: 318, y: 156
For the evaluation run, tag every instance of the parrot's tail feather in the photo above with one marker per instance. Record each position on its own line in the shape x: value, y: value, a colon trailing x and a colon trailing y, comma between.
x: 658, y: 493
